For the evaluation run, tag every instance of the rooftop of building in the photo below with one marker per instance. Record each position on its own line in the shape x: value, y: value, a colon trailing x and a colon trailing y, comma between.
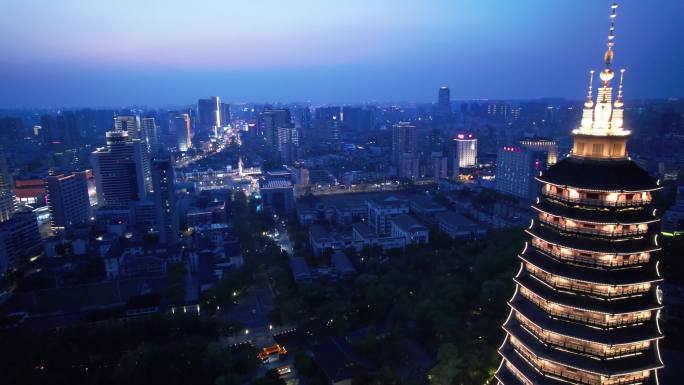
x: 455, y: 219
x: 408, y: 224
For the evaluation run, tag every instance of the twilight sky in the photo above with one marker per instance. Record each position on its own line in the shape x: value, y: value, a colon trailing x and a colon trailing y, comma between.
x: 70, y: 53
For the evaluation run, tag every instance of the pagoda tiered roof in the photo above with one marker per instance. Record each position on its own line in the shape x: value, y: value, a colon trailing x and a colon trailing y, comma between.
x: 597, y: 215
x: 646, y: 301
x: 625, y: 276
x: 646, y: 360
x: 587, y: 243
x: 599, y: 175
x: 610, y: 336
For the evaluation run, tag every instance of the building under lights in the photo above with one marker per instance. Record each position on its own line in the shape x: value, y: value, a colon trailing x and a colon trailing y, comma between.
x: 550, y: 146
x: 586, y: 304
x: 466, y: 150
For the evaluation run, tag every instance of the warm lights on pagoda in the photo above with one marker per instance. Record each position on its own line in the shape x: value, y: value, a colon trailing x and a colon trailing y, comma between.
x: 605, y: 117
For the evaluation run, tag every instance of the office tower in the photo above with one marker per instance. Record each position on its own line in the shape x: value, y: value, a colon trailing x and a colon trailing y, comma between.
x: 438, y: 165
x: 443, y: 108
x: 587, y: 302
x: 6, y: 193
x: 329, y: 123
x: 119, y: 171
x: 404, y: 141
x: 180, y: 126
x: 224, y: 114
x: 151, y: 130
x: 166, y: 214
x: 288, y: 143
x: 268, y: 123
x: 67, y: 199
x: 209, y: 112
x: 19, y: 241
x: 543, y: 144
x: 465, y: 146
x: 131, y: 124
x: 516, y: 170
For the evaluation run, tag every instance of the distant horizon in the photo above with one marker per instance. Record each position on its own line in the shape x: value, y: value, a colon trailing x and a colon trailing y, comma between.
x: 407, y: 103
x: 79, y: 53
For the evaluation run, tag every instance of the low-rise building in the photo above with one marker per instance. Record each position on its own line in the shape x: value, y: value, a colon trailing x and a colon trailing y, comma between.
x: 381, y: 210
x: 19, y: 241
x: 411, y: 230
x: 459, y: 227
x: 125, y: 260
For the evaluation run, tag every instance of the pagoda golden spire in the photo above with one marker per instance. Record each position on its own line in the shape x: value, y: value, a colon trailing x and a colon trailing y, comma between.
x: 604, y: 117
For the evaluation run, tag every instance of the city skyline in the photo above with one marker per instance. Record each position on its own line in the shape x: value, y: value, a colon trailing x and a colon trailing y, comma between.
x: 349, y: 52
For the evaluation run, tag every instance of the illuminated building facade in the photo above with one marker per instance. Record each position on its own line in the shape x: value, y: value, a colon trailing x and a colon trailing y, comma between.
x: 516, y: 170
x: 587, y: 303
x: 550, y: 146
x: 466, y: 150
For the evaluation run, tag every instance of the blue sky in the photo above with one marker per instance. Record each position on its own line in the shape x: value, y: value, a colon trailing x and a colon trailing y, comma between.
x: 113, y: 53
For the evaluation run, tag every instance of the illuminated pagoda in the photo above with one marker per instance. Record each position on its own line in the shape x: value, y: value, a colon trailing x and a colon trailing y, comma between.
x: 586, y: 303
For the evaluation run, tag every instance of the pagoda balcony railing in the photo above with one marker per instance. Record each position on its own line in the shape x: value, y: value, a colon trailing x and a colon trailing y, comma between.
x: 583, y: 347
x: 590, y: 231
x: 574, y: 257
x: 575, y: 374
x: 597, y: 201
x: 598, y: 290
x: 583, y: 316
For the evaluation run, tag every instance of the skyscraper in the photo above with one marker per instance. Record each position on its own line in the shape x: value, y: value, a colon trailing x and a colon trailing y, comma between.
x: 404, y: 141
x: 224, y: 114
x: 119, y: 172
x: 151, y: 130
x: 516, y: 170
x: 6, y: 193
x: 68, y: 199
x: 443, y: 108
x: 268, y: 123
x: 180, y: 125
x: 166, y: 214
x: 209, y: 112
x: 131, y: 124
x: 465, y: 150
x: 587, y: 302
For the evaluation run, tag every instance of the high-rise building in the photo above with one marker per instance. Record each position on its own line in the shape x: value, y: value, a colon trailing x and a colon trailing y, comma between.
x: 6, y: 193
x: 268, y: 122
x: 19, y: 241
x: 465, y: 146
x: 151, y: 130
x: 543, y: 144
x: 119, y: 172
x: 165, y: 201
x: 209, y: 112
x: 438, y: 165
x: 443, y: 108
x: 404, y: 141
x: 516, y: 170
x: 587, y: 301
x: 224, y: 114
x: 180, y: 126
x: 131, y: 124
x: 67, y: 199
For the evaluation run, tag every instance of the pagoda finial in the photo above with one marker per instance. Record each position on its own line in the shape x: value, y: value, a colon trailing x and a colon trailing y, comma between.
x: 591, y: 84
x: 622, y: 76
x: 607, y: 74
